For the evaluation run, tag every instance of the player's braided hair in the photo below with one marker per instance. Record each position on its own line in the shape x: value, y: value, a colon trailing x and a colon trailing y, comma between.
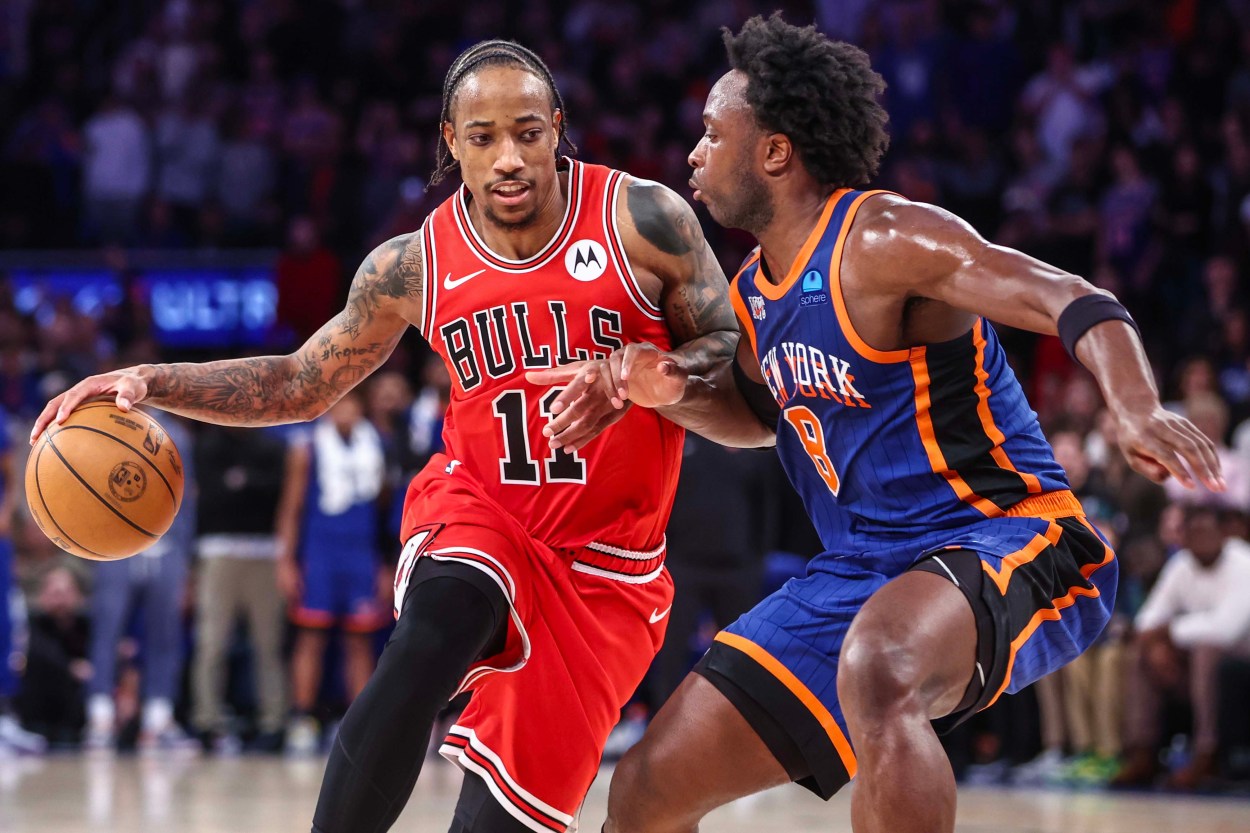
x: 819, y: 92
x: 493, y: 53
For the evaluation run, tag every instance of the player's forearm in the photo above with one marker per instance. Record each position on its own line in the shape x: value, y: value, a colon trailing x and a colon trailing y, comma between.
x: 1112, y: 351
x: 713, y: 407
x: 251, y: 392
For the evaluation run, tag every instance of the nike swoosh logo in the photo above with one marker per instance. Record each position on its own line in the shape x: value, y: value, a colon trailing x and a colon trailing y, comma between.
x: 448, y: 283
x: 656, y: 615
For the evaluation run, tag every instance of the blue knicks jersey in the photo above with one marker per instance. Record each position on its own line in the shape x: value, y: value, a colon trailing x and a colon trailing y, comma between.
x: 896, y: 444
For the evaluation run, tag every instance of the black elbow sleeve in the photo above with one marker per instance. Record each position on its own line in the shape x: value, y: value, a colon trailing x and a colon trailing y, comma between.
x: 759, y: 398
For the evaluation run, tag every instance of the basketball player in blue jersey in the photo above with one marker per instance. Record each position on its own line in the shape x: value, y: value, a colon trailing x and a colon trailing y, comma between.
x: 957, y: 564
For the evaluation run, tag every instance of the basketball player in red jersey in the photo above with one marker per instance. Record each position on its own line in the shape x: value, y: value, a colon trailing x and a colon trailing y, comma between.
x: 958, y: 565
x: 533, y: 576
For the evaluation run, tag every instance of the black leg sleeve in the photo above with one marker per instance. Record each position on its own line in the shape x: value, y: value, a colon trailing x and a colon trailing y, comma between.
x: 448, y: 621
x: 477, y: 811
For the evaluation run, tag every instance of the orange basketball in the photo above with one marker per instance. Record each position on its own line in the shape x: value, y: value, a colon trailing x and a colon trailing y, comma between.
x: 104, y: 484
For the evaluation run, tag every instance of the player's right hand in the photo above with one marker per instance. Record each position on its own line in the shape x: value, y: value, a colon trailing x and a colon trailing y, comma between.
x: 127, y: 385
x: 290, y: 580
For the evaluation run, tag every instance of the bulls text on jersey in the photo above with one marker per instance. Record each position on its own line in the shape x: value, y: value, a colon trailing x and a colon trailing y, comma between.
x: 498, y: 341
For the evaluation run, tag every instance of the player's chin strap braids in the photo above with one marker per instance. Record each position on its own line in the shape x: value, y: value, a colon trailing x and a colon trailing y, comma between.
x: 494, y: 53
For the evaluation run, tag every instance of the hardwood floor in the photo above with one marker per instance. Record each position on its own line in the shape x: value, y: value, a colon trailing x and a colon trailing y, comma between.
x: 127, y: 794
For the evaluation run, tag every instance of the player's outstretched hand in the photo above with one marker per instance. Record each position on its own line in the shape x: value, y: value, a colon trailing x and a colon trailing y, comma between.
x: 597, y: 392
x: 128, y: 386
x: 1160, y: 444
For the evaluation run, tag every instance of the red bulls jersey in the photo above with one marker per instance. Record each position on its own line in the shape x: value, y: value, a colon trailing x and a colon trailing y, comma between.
x: 492, y: 319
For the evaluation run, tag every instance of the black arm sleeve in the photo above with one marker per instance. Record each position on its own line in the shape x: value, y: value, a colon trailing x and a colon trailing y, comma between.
x: 759, y: 398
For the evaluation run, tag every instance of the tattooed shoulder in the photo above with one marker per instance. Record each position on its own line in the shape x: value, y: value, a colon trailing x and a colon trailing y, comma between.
x: 394, y: 271
x: 662, y: 218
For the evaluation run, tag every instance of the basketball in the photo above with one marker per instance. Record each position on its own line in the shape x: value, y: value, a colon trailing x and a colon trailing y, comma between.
x: 104, y: 484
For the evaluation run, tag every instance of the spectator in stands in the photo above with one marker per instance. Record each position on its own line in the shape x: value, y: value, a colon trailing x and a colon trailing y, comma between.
x: 51, y: 700
x: 117, y: 168
x: 1197, y: 613
x: 309, y: 279
x: 240, y: 475
x: 329, y: 568
x: 717, y: 567
x: 12, y: 735
x: 152, y: 584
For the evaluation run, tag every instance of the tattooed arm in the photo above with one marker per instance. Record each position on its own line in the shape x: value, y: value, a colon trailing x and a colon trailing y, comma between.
x: 269, y: 390
x: 693, y: 384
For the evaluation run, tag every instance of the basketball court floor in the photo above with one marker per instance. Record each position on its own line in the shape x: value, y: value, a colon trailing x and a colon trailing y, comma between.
x: 127, y: 794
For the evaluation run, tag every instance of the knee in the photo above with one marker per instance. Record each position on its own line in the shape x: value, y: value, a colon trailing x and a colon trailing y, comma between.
x: 634, y: 797
x: 880, y: 676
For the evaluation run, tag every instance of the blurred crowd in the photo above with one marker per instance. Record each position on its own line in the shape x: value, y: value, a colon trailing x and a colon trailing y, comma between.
x: 1109, y: 137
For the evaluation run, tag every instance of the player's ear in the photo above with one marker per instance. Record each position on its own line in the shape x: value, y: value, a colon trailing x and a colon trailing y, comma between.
x: 778, y: 152
x: 557, y: 119
x: 449, y: 136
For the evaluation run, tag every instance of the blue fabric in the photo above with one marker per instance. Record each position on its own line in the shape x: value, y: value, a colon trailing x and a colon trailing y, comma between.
x: 867, y: 413
x: 804, y: 623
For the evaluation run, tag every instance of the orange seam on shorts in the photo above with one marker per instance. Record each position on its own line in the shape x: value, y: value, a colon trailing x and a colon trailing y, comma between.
x: 839, y: 302
x: 786, y: 677
x: 776, y: 292
x: 1023, y: 556
x: 1108, y: 553
x: 937, y: 460
x: 740, y: 307
x: 306, y: 618
x: 992, y: 431
x: 1048, y: 614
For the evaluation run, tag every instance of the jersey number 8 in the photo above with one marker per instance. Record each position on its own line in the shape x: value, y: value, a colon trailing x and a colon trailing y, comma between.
x: 812, y: 436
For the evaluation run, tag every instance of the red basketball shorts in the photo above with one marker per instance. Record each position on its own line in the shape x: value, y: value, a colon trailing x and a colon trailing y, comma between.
x: 585, y: 625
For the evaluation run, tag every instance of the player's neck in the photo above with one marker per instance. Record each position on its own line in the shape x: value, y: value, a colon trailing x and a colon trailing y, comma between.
x: 794, y: 217
x: 520, y: 242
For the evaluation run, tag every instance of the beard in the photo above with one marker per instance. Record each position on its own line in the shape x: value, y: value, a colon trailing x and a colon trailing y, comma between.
x: 519, y: 224
x: 750, y: 207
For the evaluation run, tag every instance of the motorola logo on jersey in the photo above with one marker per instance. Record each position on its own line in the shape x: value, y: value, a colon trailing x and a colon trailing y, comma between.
x: 586, y: 260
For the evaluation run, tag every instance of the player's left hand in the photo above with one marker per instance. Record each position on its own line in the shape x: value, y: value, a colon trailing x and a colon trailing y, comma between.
x: 586, y: 406
x: 638, y: 373
x: 1159, y: 444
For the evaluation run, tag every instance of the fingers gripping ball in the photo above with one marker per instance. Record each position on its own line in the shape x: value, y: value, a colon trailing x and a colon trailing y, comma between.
x: 104, y: 484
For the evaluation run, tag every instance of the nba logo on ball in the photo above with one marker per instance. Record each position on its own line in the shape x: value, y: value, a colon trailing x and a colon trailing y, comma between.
x: 586, y: 260
x: 126, y: 482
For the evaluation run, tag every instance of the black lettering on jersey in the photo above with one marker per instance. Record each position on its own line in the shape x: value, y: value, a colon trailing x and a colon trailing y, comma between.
x: 529, y: 359
x: 605, y: 330
x: 492, y: 328
x: 459, y: 341
x: 562, y: 336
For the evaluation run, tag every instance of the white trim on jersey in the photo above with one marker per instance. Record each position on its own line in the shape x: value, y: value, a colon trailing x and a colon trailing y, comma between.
x: 474, y: 241
x: 633, y: 555
x: 500, y: 575
x: 456, y: 755
x: 429, y: 304
x: 627, y: 579
x: 611, y: 229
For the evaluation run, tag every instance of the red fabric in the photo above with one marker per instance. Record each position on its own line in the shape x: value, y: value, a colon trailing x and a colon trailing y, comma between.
x: 629, y: 473
x: 578, y: 646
